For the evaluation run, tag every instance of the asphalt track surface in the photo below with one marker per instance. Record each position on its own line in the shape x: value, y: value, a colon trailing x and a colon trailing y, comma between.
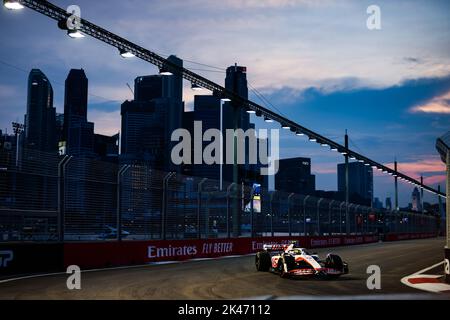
x: 236, y: 278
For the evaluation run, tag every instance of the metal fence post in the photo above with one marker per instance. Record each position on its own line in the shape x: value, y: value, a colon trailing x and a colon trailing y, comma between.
x: 356, y: 212
x: 304, y: 215
x: 340, y: 217
x: 367, y: 229
x: 61, y: 195
x: 271, y: 213
x: 348, y: 228
x: 207, y: 229
x: 228, y: 209
x: 199, y: 206
x: 318, y: 215
x: 329, y: 217
x: 164, y: 205
x: 120, y: 173
x: 252, y: 221
x: 289, y: 214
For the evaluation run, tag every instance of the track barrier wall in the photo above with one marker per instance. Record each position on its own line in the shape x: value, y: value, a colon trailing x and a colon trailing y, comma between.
x: 33, y: 258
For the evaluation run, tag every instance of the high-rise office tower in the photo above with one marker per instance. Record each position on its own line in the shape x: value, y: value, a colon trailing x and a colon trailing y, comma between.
x: 143, y: 132
x: 149, y: 87
x: 294, y: 175
x: 40, y: 120
x: 388, y: 203
x: 149, y: 120
x: 78, y: 133
x: 206, y: 110
x: 235, y: 117
x: 360, y: 182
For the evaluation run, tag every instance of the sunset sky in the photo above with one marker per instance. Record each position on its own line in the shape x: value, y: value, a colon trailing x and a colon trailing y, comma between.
x: 315, y: 61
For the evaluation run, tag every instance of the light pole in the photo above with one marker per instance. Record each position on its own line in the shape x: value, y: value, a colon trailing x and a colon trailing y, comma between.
x: 396, y: 185
x: 347, y: 217
x: 18, y: 129
x: 421, y: 194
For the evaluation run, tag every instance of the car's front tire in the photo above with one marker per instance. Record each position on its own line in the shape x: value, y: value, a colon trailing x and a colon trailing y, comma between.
x: 263, y: 261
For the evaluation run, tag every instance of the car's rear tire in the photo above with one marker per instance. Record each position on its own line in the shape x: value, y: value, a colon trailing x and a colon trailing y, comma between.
x: 263, y: 261
x: 335, y: 262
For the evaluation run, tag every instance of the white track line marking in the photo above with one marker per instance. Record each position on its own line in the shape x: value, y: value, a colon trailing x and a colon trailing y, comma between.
x: 430, y: 287
x: 124, y: 267
x: 429, y: 268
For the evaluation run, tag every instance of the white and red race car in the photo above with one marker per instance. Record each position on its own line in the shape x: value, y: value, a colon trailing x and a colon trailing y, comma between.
x: 288, y: 260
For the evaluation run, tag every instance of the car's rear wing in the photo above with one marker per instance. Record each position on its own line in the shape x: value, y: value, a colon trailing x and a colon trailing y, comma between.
x: 277, y: 247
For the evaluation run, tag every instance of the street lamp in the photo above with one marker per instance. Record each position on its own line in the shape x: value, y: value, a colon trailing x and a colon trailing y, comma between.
x: 195, y: 87
x: 248, y: 110
x: 76, y: 34
x: 18, y: 129
x: 164, y: 71
x: 12, y: 5
x: 126, y: 54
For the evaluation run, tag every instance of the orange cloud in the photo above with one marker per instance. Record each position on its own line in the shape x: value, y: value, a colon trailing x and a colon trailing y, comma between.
x: 416, y: 169
x: 440, y: 104
x: 435, y: 179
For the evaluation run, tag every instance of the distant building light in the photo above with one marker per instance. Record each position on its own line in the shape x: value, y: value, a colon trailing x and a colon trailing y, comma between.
x: 285, y: 126
x: 267, y: 119
x: 299, y: 133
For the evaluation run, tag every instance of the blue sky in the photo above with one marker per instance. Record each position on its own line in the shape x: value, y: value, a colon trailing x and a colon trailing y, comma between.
x: 316, y: 61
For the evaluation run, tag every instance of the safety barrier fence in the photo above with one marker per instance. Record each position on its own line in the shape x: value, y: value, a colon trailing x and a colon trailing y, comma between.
x: 47, y: 197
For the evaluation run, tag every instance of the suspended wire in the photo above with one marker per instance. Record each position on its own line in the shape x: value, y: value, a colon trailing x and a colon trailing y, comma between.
x: 193, y: 62
x: 264, y: 99
x: 355, y: 145
x: 206, y: 70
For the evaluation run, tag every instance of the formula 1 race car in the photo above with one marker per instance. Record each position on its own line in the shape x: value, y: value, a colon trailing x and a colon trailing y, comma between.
x: 288, y: 260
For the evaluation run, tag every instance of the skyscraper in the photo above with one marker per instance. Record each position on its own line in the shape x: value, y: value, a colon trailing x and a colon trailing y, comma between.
x: 149, y: 120
x: 148, y: 88
x: 388, y: 203
x: 206, y: 110
x: 294, y: 175
x: 416, y: 203
x: 360, y: 182
x: 235, y: 117
x: 78, y: 133
x: 40, y: 120
x: 143, y: 132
